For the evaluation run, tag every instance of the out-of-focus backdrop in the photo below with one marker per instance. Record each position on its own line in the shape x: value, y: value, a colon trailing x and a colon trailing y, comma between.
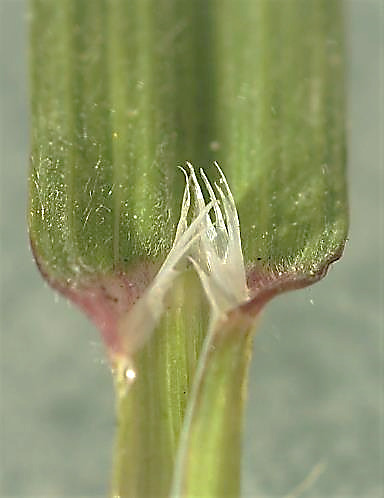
x: 315, y: 415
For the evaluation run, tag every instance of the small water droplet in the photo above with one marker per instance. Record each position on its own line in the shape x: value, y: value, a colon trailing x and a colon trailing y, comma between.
x: 130, y: 374
x: 124, y: 373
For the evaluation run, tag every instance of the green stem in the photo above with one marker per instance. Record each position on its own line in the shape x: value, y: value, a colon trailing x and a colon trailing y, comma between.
x: 209, y: 455
x: 151, y: 412
x: 164, y: 446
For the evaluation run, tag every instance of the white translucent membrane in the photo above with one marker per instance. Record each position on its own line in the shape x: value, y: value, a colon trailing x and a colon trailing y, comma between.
x: 217, y: 255
x: 214, y: 248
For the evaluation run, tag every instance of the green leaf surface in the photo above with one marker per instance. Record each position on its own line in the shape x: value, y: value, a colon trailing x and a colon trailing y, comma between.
x: 124, y: 92
x: 281, y: 103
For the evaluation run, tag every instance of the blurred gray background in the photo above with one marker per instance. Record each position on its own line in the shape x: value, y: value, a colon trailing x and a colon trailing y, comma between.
x: 314, y: 425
